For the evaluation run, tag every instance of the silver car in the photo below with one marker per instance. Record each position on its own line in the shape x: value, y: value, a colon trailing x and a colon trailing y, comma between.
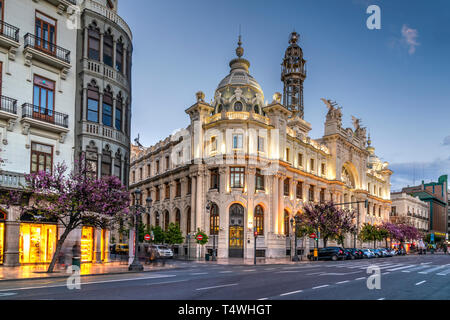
x: 162, y: 251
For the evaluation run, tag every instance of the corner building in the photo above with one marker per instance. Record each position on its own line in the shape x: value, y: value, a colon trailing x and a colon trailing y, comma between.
x: 65, y: 69
x: 254, y: 166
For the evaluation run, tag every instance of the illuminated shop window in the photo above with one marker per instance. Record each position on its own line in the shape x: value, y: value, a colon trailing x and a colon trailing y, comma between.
x: 37, y: 242
x: 87, y: 244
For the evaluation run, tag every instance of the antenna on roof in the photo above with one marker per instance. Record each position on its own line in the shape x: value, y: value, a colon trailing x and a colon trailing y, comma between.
x: 136, y: 141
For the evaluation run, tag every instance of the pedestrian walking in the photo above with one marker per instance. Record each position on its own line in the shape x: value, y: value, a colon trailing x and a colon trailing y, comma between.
x: 76, y: 254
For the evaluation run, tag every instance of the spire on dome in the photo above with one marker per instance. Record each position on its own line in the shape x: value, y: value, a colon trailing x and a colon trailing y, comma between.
x: 239, y: 49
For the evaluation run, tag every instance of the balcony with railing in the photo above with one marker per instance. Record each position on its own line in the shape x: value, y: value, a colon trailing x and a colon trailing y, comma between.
x: 8, y: 108
x: 102, y: 70
x: 12, y: 180
x: 9, y: 37
x: 45, y: 119
x: 103, y: 131
x: 236, y: 115
x: 46, y: 52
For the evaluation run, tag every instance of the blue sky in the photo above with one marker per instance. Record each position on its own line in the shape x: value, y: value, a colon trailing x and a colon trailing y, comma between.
x: 396, y: 79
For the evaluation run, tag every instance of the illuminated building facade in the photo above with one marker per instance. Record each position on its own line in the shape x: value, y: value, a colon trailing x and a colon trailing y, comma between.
x: 255, y: 165
x: 59, y: 59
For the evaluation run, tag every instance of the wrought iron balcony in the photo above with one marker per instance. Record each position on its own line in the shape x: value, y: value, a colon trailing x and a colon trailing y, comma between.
x: 9, y: 31
x: 8, y: 105
x: 31, y: 111
x: 39, y: 44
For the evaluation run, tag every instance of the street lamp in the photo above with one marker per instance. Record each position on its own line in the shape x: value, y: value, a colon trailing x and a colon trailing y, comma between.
x: 137, y: 210
x: 294, y: 228
x: 208, y: 209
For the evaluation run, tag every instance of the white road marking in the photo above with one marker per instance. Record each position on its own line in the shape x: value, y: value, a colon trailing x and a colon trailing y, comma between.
x: 311, y: 274
x: 426, y: 262
x: 360, y: 278
x: 92, y: 282
x: 7, y: 294
x: 401, y: 268
x: 381, y: 299
x: 319, y: 287
x: 215, y: 287
x: 416, y: 268
x: 421, y: 282
x: 225, y: 271
x: 269, y: 269
x: 343, y: 282
x: 251, y: 270
x: 385, y: 273
x: 432, y: 270
x: 264, y: 299
x: 289, y: 293
x: 444, y: 273
x: 198, y: 273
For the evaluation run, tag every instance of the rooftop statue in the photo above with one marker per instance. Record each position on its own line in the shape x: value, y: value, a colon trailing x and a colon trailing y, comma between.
x: 333, y: 112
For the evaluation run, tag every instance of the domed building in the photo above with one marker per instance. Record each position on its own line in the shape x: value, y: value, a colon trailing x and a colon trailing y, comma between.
x: 244, y: 166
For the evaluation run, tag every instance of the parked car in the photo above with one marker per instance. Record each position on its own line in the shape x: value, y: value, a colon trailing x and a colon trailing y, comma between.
x: 119, y: 248
x: 377, y: 253
x: 349, y: 254
x: 386, y: 252
x: 368, y: 254
x: 161, y: 251
x: 357, y: 253
x: 332, y: 253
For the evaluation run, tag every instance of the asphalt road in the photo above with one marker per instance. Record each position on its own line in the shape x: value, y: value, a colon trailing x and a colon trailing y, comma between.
x: 405, y: 278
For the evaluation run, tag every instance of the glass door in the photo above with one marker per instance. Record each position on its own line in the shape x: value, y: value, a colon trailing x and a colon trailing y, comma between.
x: 45, y: 33
x: 37, y: 243
x: 236, y: 231
x: 43, y: 99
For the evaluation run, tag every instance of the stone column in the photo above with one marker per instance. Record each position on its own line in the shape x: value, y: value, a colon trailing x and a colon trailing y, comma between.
x: 114, y: 113
x: 86, y: 45
x: 100, y: 110
x: 275, y: 199
x: 193, y: 202
x: 84, y: 104
x: 11, y: 250
x: 98, y: 245
x: 281, y: 204
x: 114, y: 55
x: 124, y: 60
x: 101, y: 46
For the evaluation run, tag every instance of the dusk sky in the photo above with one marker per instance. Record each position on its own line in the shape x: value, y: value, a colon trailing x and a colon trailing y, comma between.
x: 397, y: 79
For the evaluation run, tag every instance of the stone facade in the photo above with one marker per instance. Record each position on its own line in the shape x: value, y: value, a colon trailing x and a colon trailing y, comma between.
x: 256, y: 164
x: 411, y: 210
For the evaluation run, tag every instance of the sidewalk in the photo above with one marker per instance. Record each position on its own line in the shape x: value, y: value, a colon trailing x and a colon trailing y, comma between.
x: 31, y: 272
x: 40, y: 271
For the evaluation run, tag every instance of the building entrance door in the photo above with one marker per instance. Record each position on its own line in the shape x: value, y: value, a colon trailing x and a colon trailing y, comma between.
x: 236, y: 236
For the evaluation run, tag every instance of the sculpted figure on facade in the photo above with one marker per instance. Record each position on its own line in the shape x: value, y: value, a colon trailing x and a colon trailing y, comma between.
x: 333, y: 112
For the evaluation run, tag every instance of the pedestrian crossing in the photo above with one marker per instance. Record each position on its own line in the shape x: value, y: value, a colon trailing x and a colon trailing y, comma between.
x: 427, y: 269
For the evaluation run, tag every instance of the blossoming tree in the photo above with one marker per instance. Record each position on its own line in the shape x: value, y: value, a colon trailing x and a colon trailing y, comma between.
x: 333, y: 222
x: 75, y: 198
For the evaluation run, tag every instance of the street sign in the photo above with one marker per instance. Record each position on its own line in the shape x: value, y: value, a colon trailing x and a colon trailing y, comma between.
x: 199, y: 237
x: 147, y: 237
x: 312, y: 235
x: 432, y: 237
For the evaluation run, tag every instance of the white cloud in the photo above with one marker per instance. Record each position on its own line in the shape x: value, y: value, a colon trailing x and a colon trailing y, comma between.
x: 409, y: 37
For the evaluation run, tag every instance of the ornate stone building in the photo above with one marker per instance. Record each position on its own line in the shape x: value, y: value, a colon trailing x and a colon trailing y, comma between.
x: 410, y: 209
x: 254, y: 165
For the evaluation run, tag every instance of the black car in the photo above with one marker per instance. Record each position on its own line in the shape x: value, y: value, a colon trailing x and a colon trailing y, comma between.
x: 329, y: 253
x: 349, y: 255
x: 357, y: 253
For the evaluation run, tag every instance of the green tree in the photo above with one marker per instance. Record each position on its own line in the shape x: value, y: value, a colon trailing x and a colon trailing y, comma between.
x: 173, y: 234
x: 204, y: 235
x: 159, y: 234
x: 370, y: 232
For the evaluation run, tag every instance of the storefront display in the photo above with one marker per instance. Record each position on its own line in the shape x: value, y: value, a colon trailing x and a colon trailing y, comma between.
x: 2, y: 241
x: 37, y: 242
x: 87, y: 244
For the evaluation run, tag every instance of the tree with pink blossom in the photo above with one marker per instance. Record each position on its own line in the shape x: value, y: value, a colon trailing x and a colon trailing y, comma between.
x: 74, y: 199
x: 333, y: 222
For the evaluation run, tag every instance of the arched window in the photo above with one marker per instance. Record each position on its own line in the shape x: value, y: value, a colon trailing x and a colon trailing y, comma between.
x: 106, y: 162
x: 108, y: 49
x: 93, y: 98
x: 107, y: 108
x: 166, y: 220
x: 188, y: 220
x: 178, y: 217
x: 119, y: 107
x: 157, y: 222
x: 118, y: 165
x: 286, y: 223
x: 259, y: 220
x: 256, y: 108
x: 119, y: 56
x: 238, y: 106
x: 214, y: 220
x: 94, y: 43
